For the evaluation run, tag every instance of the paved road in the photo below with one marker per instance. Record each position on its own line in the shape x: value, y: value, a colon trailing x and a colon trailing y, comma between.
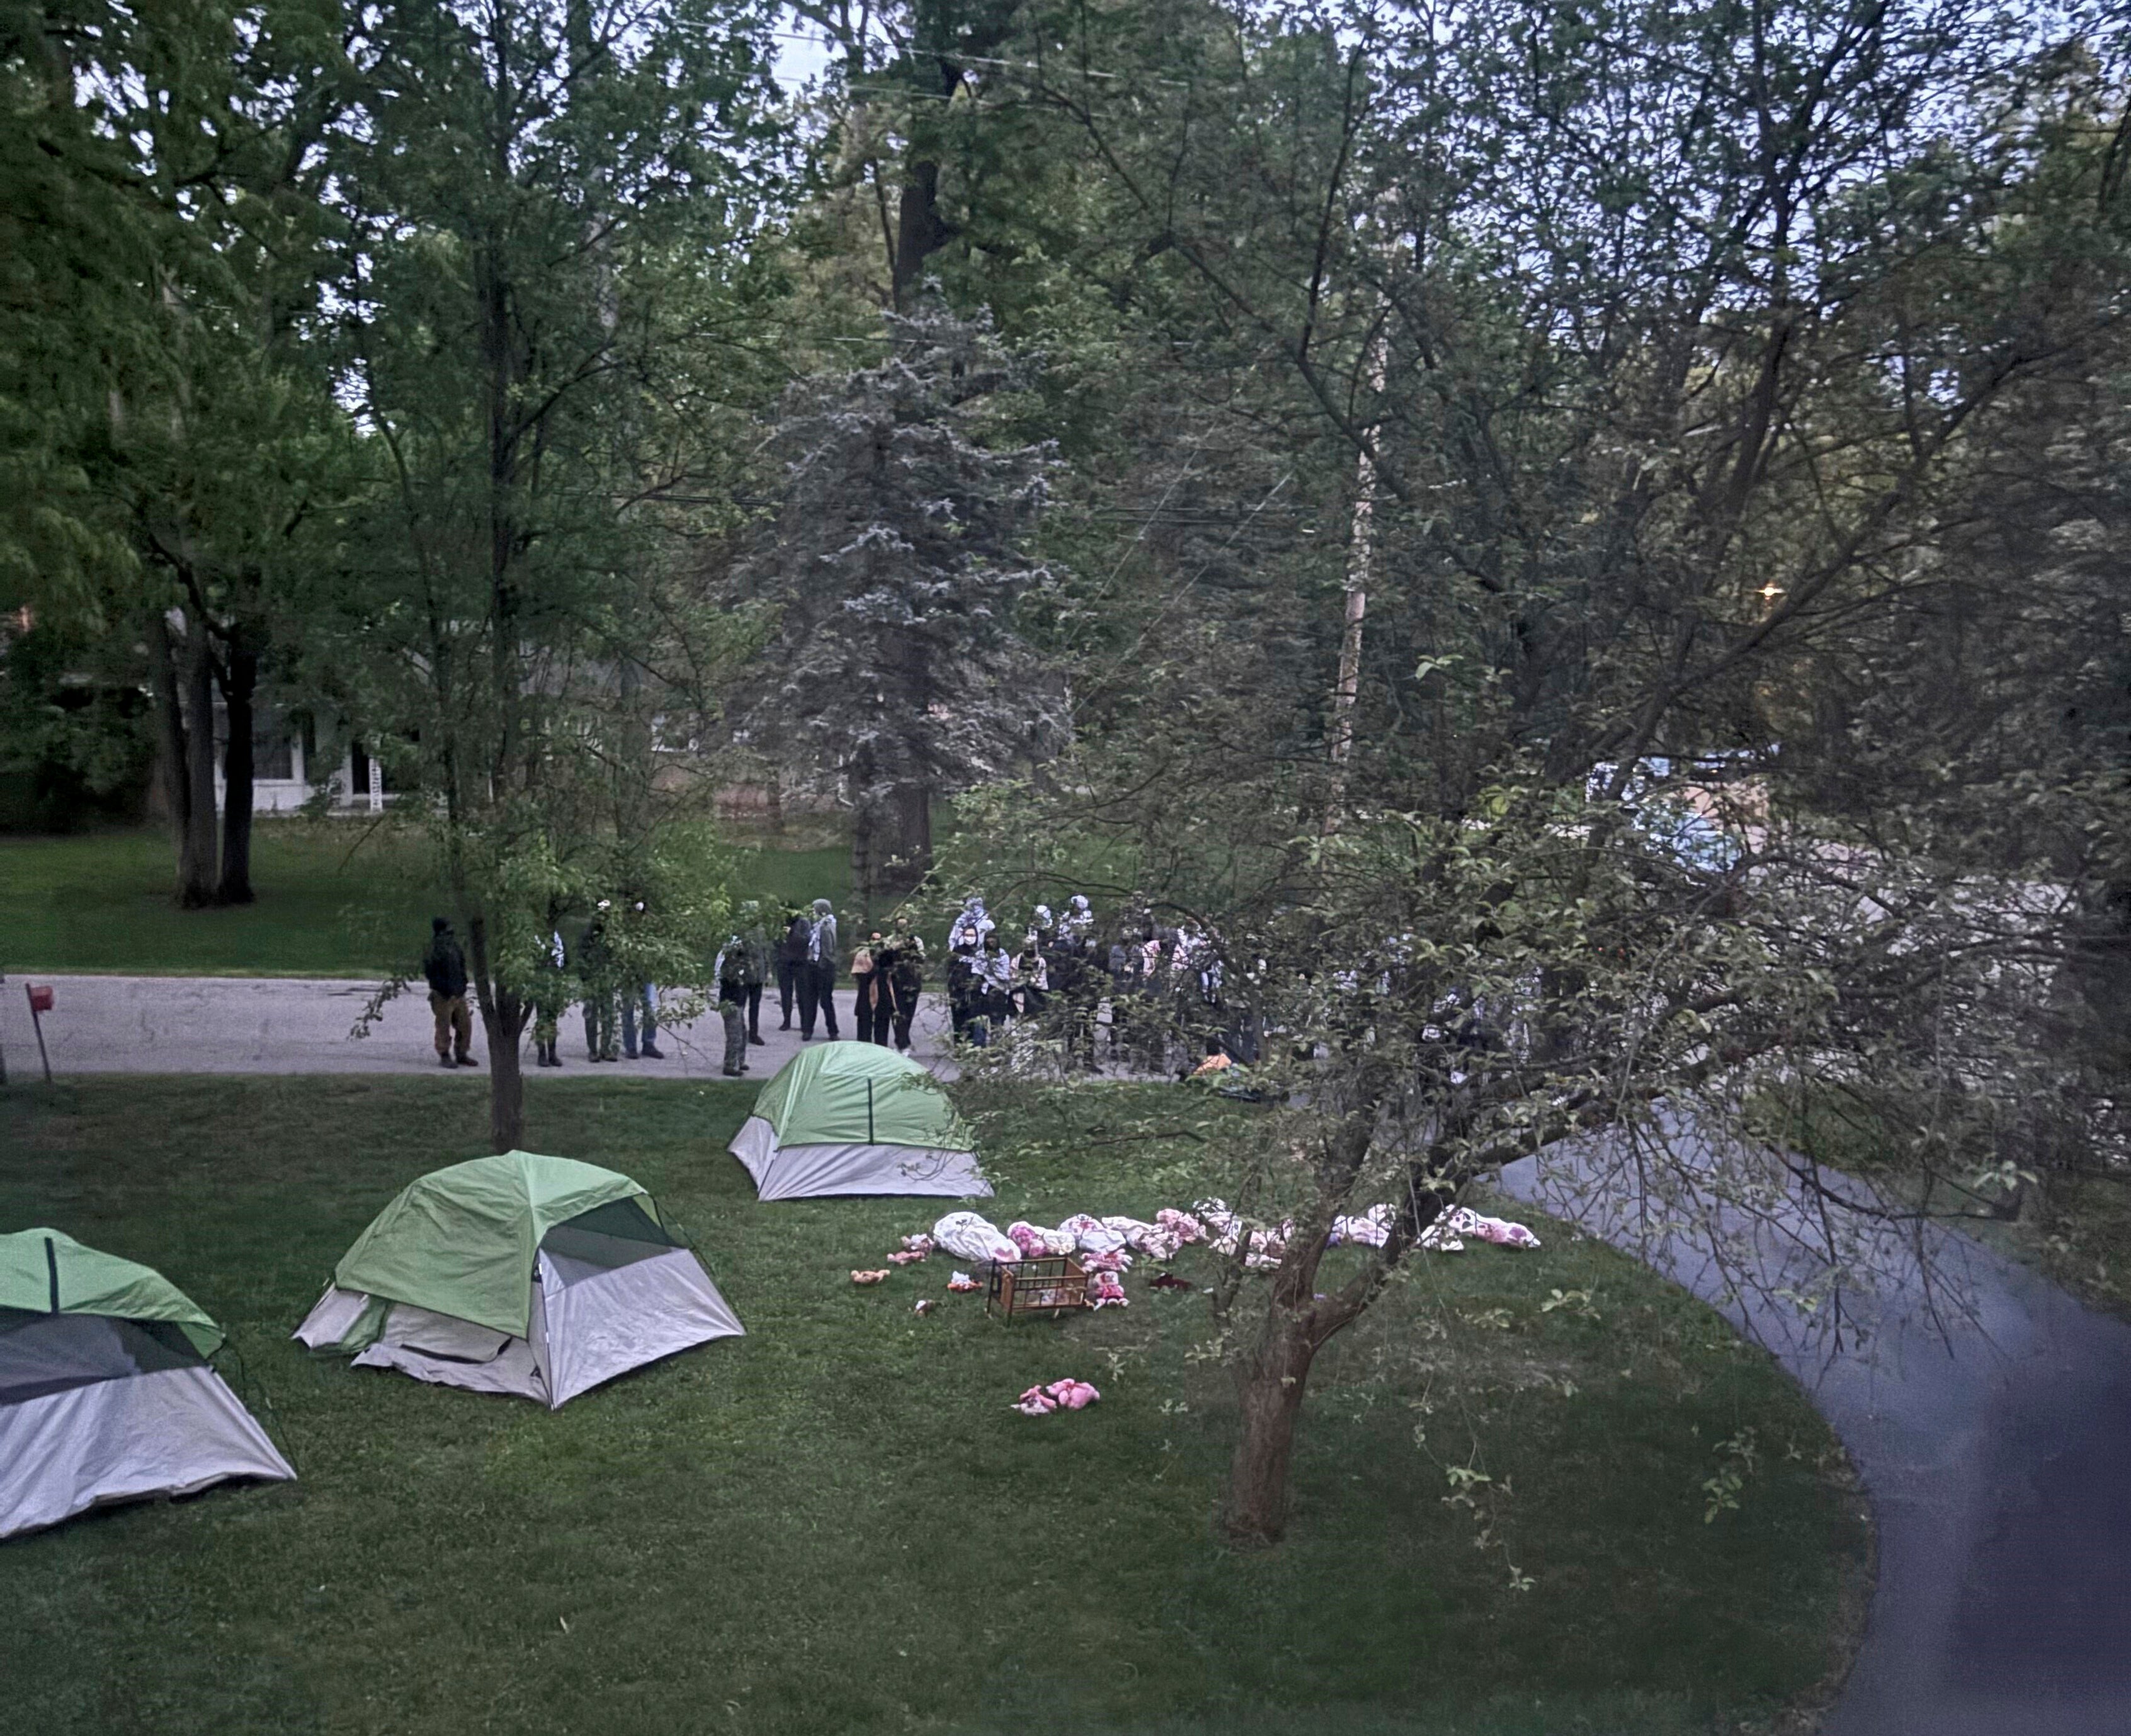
x: 1990, y: 1417
x: 1990, y: 1414
x: 291, y: 1025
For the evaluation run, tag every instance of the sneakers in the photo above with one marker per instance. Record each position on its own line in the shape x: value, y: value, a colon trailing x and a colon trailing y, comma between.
x: 759, y: 1039
x: 445, y: 1060
x: 649, y: 1054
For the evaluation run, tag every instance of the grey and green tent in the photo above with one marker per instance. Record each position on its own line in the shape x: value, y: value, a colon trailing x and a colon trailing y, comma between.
x: 856, y: 1118
x: 536, y: 1276
x: 106, y: 1391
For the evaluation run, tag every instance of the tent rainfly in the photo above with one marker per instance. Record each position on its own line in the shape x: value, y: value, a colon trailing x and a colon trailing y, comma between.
x: 437, y: 1286
x: 856, y: 1118
x: 106, y: 1391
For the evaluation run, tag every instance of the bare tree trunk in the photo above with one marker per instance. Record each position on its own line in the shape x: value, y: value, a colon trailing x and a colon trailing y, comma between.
x: 503, y: 1013
x: 196, y: 846
x: 1359, y: 550
x: 920, y: 230
x: 863, y: 864
x: 169, y: 735
x: 1271, y: 1389
x: 240, y: 681
x: 1299, y: 1322
x: 906, y: 857
x: 503, y: 1023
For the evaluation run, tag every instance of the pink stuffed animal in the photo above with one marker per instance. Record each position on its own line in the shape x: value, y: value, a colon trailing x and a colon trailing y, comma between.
x: 1182, y: 1225
x: 1068, y: 1394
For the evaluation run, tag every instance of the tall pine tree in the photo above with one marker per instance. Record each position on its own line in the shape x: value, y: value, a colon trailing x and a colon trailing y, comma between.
x: 897, y: 566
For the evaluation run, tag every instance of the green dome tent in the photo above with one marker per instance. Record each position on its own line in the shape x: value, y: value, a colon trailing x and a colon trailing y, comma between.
x: 105, y: 1392
x: 856, y: 1118
x: 437, y: 1286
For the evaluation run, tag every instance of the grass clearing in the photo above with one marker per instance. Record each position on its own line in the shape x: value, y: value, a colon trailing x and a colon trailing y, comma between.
x: 336, y: 898
x: 837, y: 1524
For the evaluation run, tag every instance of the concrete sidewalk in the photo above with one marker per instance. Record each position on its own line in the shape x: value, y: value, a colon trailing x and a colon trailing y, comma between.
x: 306, y: 1025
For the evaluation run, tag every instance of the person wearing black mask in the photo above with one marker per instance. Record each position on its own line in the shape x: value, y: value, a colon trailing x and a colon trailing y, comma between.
x: 902, y: 967
x: 791, y: 961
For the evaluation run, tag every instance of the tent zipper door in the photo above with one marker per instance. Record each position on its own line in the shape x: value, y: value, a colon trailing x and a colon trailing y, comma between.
x: 871, y: 1140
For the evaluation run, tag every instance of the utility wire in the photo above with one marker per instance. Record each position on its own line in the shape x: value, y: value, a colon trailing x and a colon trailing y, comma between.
x: 1177, y: 595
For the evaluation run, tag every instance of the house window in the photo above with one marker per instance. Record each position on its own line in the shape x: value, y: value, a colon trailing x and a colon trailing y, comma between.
x: 273, y: 752
x: 273, y: 744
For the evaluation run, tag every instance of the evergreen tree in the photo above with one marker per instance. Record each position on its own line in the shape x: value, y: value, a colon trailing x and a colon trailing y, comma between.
x: 898, y: 568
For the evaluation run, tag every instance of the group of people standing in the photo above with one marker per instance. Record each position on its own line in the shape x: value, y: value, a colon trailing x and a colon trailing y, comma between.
x: 620, y: 1008
x: 1163, y: 984
x: 989, y: 985
x: 1160, y: 983
x: 887, y: 972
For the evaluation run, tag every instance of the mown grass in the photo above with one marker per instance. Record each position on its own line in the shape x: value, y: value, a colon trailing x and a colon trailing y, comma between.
x: 837, y: 1524
x: 335, y: 898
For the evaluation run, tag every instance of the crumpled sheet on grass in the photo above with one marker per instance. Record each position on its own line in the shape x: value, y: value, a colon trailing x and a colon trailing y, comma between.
x: 968, y: 1237
x: 1370, y: 1229
x: 1107, y: 1245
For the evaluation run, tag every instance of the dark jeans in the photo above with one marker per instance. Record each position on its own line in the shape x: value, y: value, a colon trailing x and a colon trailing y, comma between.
x: 754, y: 1010
x: 788, y: 984
x: 635, y: 1000
x: 817, y: 993
x: 869, y: 1011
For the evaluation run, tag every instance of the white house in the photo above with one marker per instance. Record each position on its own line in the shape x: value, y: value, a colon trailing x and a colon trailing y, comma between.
x: 287, y: 772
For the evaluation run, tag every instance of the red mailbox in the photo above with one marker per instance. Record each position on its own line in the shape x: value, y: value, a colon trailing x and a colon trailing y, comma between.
x: 40, y: 1003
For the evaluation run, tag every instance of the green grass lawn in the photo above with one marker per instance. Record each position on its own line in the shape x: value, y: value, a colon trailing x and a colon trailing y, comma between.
x: 335, y: 898
x: 837, y: 1524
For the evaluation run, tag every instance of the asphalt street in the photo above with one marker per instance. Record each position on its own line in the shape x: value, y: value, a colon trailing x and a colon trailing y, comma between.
x: 303, y: 1024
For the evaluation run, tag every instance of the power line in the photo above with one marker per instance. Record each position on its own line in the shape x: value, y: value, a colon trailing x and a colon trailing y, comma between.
x: 1133, y: 650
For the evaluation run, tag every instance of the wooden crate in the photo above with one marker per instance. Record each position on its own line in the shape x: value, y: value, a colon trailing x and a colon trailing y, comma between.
x: 1048, y: 1285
